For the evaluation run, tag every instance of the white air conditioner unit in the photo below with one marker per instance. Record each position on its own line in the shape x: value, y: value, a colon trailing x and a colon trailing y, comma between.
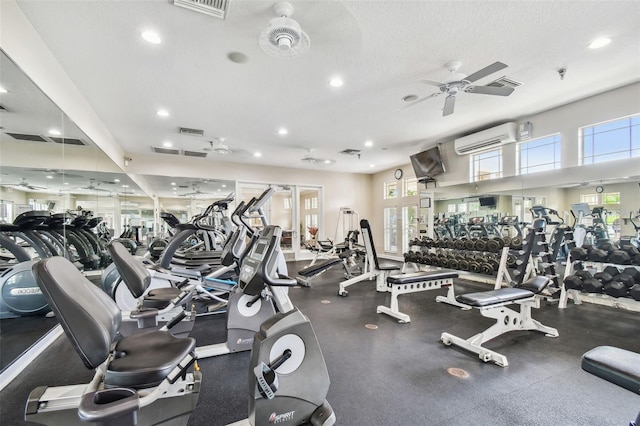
x: 486, y: 139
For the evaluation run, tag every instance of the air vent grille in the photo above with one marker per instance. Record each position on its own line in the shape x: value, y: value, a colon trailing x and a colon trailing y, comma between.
x: 67, y: 141
x: 351, y: 152
x: 505, y: 81
x: 215, y: 8
x: 190, y: 132
x: 23, y: 137
x: 165, y: 150
x: 194, y: 154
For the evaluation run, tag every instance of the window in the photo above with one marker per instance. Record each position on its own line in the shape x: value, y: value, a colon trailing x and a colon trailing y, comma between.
x: 612, y: 140
x: 462, y: 208
x: 409, y: 225
x: 307, y: 203
x: 314, y: 202
x: 474, y: 206
x: 287, y: 203
x: 589, y: 198
x: 6, y: 211
x: 611, y: 198
x: 310, y: 221
x: 451, y: 208
x: 486, y: 165
x: 390, y: 190
x: 539, y: 154
x: 391, y: 229
x: 410, y: 187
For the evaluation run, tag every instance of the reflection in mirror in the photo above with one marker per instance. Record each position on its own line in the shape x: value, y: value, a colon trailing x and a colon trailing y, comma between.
x: 49, y: 181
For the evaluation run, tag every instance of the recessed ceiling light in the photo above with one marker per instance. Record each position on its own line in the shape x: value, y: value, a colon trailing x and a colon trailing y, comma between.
x: 167, y: 144
x: 372, y: 165
x: 125, y: 186
x: 54, y: 132
x: 116, y: 180
x: 257, y: 154
x: 151, y: 36
x: 368, y: 143
x: 219, y: 190
x: 282, y: 131
x: 49, y: 177
x: 336, y: 82
x: 224, y: 186
x: 327, y: 161
x: 66, y: 183
x: 3, y: 90
x: 599, y: 42
x: 173, y: 183
x: 163, y: 113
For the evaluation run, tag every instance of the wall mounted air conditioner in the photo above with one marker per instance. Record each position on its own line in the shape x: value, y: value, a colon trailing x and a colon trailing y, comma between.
x: 486, y: 139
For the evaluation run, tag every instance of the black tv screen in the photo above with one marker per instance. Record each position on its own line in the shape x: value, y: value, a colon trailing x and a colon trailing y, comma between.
x: 427, y: 164
x: 487, y: 201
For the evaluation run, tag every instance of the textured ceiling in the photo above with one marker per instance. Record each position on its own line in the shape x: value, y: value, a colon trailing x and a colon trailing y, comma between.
x: 380, y: 48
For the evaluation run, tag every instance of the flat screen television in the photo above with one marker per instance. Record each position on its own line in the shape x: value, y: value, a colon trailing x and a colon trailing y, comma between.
x: 487, y: 201
x: 427, y: 164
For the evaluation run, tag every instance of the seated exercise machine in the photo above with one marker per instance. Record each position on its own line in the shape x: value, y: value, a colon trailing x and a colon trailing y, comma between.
x: 143, y: 379
x: 373, y: 269
x: 615, y: 365
x: 413, y: 283
x: 493, y: 304
x: 288, y: 379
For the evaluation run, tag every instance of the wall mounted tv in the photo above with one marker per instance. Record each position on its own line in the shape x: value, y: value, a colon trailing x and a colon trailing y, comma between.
x: 427, y: 164
x: 487, y: 201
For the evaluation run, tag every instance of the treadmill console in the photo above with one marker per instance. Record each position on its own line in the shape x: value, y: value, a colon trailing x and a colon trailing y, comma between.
x: 251, y: 282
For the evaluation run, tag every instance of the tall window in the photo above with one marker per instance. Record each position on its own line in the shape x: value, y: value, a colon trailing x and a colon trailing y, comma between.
x: 486, y: 165
x: 612, y: 140
x: 390, y: 190
x: 391, y: 229
x: 409, y: 225
x: 410, y: 187
x: 589, y: 198
x: 539, y: 154
x: 611, y: 198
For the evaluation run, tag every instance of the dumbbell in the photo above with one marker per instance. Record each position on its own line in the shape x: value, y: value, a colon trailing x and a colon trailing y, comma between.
x: 459, y: 244
x: 506, y: 241
x: 620, y: 257
x: 634, y: 272
x: 480, y: 245
x: 470, y: 244
x: 573, y: 282
x: 583, y: 274
x: 495, y: 244
x: 604, y: 277
x: 453, y: 264
x: 625, y: 279
x: 616, y: 289
x: 598, y: 255
x: 608, y: 247
x: 612, y: 270
x: 579, y: 253
x: 516, y: 243
x: 632, y: 250
x: 486, y: 268
x: 409, y: 256
x: 474, y: 267
x: 635, y: 292
x: 592, y: 285
x: 463, y: 265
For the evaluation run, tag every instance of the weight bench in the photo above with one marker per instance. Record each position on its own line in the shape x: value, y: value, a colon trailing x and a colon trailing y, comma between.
x: 412, y: 283
x: 615, y: 365
x: 373, y: 268
x: 493, y: 304
x: 306, y: 274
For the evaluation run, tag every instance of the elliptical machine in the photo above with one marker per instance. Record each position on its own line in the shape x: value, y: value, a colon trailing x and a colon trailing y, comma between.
x: 288, y: 378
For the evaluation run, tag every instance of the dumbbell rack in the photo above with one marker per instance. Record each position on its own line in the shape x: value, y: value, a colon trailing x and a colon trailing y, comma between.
x: 598, y: 299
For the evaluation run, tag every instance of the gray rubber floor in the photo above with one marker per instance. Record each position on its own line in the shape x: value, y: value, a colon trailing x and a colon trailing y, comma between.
x: 397, y: 373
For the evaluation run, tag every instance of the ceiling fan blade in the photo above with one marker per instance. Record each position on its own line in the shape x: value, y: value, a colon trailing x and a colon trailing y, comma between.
x: 489, y: 90
x: 449, y: 103
x: 432, y: 83
x: 495, y: 67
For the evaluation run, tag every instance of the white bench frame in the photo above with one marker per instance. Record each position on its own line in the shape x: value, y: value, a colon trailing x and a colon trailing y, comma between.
x: 398, y: 289
x: 506, y: 320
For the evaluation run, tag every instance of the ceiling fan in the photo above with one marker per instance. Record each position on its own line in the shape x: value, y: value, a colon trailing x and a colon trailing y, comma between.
x: 309, y: 158
x: 219, y: 147
x: 24, y: 184
x: 93, y: 187
x: 196, y: 191
x: 460, y: 82
x: 283, y: 37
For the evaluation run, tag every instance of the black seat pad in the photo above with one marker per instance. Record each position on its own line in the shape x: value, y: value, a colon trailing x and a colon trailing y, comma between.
x: 417, y: 277
x: 145, y: 359
x: 488, y: 298
x: 615, y: 365
x: 388, y: 267
x: 318, y: 267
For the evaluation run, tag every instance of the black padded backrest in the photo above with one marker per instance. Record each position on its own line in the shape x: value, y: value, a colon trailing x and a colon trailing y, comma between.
x: 89, y: 317
x: 134, y: 274
x: 368, y: 237
x: 535, y: 284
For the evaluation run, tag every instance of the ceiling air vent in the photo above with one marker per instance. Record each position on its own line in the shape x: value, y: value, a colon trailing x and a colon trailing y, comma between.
x: 215, y: 8
x: 505, y: 81
x: 351, y: 152
x: 165, y: 150
x: 23, y: 137
x: 190, y: 132
x: 67, y: 141
x: 194, y: 154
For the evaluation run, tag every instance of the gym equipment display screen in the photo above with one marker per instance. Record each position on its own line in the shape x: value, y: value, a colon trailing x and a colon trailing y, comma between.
x: 427, y: 164
x: 487, y: 201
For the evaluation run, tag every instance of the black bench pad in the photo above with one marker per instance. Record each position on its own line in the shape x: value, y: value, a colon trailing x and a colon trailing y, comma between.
x: 318, y: 267
x: 417, y: 277
x: 388, y: 267
x: 618, y: 366
x: 488, y: 298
